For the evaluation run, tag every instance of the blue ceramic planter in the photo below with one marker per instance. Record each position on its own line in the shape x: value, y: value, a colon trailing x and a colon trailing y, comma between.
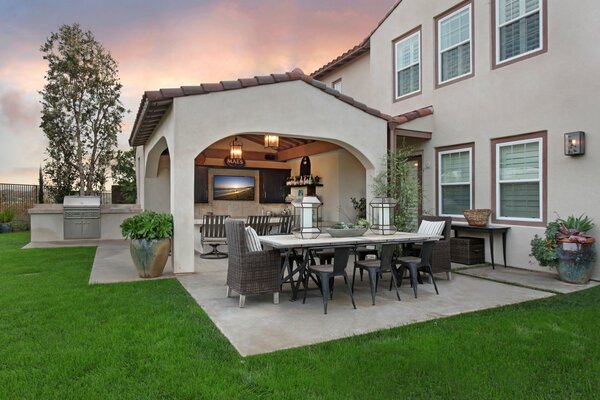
x: 150, y: 256
x: 575, y: 262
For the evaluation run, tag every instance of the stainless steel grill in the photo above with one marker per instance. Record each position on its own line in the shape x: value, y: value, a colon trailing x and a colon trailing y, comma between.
x: 81, y: 216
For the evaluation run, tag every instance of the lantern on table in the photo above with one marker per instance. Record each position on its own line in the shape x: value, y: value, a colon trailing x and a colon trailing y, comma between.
x: 306, y: 217
x: 383, y: 215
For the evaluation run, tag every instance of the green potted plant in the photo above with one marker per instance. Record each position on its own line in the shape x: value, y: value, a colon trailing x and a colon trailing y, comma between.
x: 6, y: 217
x: 150, y: 235
x: 567, y: 247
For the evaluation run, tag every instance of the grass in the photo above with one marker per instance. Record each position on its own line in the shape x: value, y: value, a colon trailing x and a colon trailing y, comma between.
x: 61, y: 338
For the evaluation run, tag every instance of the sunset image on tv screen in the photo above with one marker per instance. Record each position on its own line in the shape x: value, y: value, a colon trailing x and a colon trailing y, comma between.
x: 233, y: 188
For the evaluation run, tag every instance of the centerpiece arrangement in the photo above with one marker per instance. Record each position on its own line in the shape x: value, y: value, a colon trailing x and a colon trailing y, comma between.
x: 567, y: 247
x: 342, y: 229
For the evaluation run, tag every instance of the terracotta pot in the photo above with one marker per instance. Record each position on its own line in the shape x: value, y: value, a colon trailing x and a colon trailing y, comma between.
x: 575, y: 262
x: 150, y: 256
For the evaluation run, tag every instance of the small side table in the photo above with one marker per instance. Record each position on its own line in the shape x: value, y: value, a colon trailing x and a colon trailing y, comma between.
x: 490, y: 230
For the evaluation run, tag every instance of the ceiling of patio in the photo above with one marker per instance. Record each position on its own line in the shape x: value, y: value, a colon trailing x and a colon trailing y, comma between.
x: 253, y: 147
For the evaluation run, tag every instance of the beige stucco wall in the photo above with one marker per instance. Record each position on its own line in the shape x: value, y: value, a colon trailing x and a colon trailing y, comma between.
x: 294, y: 109
x: 556, y: 91
x: 352, y: 75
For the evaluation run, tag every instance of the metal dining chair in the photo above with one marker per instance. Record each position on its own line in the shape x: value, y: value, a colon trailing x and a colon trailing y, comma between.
x: 416, y: 265
x: 326, y: 273
x: 375, y: 269
x: 260, y: 223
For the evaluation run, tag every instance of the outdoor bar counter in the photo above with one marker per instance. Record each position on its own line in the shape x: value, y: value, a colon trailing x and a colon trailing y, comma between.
x: 47, y: 223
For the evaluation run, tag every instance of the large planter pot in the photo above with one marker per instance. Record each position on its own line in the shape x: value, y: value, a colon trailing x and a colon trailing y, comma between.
x: 5, y: 227
x: 575, y: 262
x: 150, y: 256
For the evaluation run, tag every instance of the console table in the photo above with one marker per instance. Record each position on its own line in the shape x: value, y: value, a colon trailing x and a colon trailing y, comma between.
x: 490, y: 230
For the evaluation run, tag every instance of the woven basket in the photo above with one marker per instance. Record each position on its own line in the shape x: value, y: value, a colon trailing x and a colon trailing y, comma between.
x: 477, y: 217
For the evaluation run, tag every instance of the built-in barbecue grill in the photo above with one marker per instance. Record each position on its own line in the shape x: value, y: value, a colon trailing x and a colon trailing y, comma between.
x: 81, y: 217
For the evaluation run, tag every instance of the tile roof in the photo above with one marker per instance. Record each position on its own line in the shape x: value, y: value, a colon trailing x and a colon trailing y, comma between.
x: 362, y: 48
x: 154, y: 104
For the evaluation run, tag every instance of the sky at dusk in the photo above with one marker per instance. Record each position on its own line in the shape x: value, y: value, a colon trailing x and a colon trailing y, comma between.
x: 160, y: 44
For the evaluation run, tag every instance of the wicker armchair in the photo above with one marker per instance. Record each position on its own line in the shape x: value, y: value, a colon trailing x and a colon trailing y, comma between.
x: 440, y: 259
x: 249, y: 273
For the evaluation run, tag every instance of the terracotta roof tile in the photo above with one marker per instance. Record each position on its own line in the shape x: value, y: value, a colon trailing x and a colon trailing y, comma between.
x: 174, y: 92
x: 212, y: 87
x: 229, y: 85
x: 265, y: 80
x: 248, y: 82
x: 192, y: 90
x: 280, y: 77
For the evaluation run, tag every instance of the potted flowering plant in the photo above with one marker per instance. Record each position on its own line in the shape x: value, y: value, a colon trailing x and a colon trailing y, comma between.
x: 150, y: 235
x: 6, y: 217
x: 567, y: 247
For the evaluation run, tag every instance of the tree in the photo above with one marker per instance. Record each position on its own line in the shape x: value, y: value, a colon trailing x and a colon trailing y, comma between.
x: 123, y: 174
x: 40, y: 192
x: 399, y: 181
x: 81, y: 111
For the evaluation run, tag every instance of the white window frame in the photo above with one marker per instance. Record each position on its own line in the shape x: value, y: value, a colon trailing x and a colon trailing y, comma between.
x: 396, y: 70
x: 439, y: 189
x: 540, y: 9
x: 439, y: 40
x: 335, y: 83
x: 540, y: 179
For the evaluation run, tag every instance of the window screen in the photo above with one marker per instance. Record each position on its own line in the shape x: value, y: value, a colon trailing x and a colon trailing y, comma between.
x: 455, y: 44
x: 408, y: 65
x: 519, y: 27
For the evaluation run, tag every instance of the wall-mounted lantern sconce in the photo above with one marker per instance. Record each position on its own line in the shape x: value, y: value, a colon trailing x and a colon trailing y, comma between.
x: 575, y: 144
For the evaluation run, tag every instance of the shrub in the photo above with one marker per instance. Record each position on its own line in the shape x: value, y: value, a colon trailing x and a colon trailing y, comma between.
x: 148, y: 225
x: 7, y: 215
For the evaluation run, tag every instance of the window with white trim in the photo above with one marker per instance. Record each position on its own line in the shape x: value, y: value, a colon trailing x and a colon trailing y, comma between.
x: 518, y: 28
x: 408, y: 65
x: 455, y: 51
x: 337, y: 85
x: 519, y: 180
x: 455, y: 181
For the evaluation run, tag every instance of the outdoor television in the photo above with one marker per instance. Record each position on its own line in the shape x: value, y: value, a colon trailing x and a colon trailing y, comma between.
x: 229, y: 187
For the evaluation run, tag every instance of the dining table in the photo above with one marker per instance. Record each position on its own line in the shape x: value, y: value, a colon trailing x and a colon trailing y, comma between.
x: 290, y: 245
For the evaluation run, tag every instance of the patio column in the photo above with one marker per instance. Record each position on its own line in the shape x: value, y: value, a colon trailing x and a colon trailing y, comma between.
x: 182, y: 208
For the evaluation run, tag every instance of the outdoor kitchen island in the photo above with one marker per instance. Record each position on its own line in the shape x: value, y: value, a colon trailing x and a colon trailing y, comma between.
x: 47, y: 221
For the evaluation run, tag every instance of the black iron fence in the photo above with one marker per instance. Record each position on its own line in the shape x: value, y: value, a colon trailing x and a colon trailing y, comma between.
x: 21, y: 198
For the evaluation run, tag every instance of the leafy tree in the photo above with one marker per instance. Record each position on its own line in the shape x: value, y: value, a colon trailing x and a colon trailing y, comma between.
x: 399, y: 181
x: 81, y: 111
x: 123, y: 174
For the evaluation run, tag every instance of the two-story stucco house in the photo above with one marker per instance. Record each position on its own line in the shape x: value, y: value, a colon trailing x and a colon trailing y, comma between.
x: 506, y: 80
x: 483, y: 90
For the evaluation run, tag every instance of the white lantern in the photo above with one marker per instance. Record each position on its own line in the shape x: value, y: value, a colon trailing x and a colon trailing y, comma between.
x: 383, y: 215
x: 306, y: 217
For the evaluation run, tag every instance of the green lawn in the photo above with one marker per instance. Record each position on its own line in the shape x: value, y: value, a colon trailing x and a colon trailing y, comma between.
x: 61, y: 338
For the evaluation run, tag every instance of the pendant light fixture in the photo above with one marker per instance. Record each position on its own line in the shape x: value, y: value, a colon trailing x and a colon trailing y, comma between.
x: 271, y: 141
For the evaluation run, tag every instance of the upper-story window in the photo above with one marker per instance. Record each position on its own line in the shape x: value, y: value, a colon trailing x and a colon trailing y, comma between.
x: 407, y: 55
x: 337, y: 85
x: 454, y: 44
x: 519, y: 178
x: 455, y: 179
x: 519, y: 29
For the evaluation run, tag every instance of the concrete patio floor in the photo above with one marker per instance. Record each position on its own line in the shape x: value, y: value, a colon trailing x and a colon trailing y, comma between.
x: 543, y: 280
x: 263, y: 327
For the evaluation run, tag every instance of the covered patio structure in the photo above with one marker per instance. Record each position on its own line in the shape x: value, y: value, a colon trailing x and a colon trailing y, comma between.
x: 175, y: 126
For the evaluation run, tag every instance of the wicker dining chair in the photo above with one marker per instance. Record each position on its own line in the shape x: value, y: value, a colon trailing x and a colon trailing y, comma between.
x: 440, y: 259
x: 249, y: 273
